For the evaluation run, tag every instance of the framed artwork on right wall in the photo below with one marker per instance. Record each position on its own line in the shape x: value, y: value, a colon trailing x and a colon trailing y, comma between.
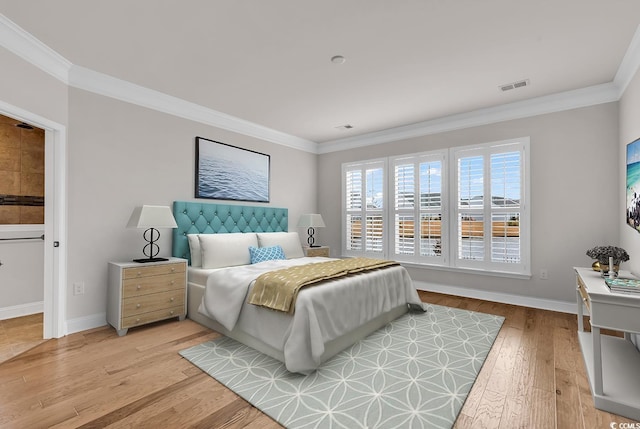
x: 633, y: 184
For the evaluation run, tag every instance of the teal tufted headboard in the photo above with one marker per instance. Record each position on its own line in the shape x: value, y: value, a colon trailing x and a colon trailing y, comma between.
x: 195, y: 217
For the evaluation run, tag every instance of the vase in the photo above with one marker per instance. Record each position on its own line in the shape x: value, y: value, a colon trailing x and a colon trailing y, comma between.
x: 604, y: 270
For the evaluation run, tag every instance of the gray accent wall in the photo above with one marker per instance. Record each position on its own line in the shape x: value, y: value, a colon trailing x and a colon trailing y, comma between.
x: 574, y: 195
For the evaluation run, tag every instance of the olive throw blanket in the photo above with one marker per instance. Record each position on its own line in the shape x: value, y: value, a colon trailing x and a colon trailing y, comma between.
x: 278, y: 289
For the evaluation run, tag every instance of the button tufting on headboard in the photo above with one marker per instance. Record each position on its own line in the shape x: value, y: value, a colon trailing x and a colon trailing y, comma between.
x: 202, y: 218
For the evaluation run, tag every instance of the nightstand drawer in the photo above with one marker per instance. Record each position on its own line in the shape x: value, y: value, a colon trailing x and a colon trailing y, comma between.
x: 152, y: 316
x: 316, y: 251
x: 145, y: 285
x: 153, y: 270
x: 152, y: 302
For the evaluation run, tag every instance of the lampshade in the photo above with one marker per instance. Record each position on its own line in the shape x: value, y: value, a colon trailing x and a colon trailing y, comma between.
x: 311, y: 221
x: 152, y: 217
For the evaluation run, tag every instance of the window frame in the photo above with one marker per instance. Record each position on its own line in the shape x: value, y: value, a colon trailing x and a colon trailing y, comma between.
x: 416, y: 211
x: 520, y: 145
x: 364, y: 211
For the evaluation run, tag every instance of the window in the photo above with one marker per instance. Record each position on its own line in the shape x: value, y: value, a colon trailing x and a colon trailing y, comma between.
x: 418, y: 208
x: 491, y: 211
x: 364, y: 199
x: 462, y: 208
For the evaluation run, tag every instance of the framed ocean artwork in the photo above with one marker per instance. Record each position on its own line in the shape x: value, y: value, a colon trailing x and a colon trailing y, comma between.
x: 633, y: 184
x: 225, y: 172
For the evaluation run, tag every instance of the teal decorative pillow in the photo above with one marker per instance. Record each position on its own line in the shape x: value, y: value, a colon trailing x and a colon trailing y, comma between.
x: 261, y: 254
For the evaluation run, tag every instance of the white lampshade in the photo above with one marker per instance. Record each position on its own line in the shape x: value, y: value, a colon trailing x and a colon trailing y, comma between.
x: 313, y: 220
x: 152, y: 217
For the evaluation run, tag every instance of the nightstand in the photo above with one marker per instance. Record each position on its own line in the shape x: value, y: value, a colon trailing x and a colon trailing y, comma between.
x: 141, y: 293
x: 316, y: 251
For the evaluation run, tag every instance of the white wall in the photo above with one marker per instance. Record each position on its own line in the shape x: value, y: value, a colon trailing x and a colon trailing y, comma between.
x: 574, y: 182
x: 21, y: 271
x: 122, y: 156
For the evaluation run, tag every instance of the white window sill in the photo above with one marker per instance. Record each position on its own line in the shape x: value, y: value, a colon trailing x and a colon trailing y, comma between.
x: 523, y: 276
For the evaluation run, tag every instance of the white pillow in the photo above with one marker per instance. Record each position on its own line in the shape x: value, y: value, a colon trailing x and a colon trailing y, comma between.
x: 226, y: 250
x: 194, y: 250
x: 289, y: 241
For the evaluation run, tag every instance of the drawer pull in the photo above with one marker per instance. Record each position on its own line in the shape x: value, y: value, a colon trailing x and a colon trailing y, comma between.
x: 138, y: 287
x: 173, y: 269
x: 137, y: 305
x: 137, y: 320
x: 171, y: 312
x: 138, y: 274
x: 173, y: 282
x: 171, y: 299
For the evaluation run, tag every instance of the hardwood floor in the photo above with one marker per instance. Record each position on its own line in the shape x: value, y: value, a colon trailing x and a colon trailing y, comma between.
x: 534, y: 377
x: 19, y: 334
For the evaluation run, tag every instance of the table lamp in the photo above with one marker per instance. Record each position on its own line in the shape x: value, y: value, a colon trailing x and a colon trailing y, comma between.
x: 152, y: 218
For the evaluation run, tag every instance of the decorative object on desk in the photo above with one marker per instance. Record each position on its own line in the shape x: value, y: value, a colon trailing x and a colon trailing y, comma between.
x: 602, y: 255
x: 623, y: 285
x: 151, y: 217
x: 225, y: 172
x: 311, y: 221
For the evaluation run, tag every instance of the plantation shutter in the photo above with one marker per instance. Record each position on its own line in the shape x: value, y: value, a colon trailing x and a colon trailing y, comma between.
x: 418, y: 208
x: 490, y: 208
x: 364, y: 205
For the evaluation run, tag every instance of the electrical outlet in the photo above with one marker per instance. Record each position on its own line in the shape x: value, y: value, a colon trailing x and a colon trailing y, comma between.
x: 78, y: 288
x: 544, y: 274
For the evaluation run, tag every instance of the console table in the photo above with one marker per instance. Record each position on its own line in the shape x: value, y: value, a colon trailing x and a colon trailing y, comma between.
x: 613, y: 363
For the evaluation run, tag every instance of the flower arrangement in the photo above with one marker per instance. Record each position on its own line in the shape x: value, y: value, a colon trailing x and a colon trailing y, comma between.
x: 602, y: 254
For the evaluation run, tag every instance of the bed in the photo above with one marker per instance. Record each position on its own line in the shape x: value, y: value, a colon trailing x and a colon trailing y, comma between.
x: 327, y: 319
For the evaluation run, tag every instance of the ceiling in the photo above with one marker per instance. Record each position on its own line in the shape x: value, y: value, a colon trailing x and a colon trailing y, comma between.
x: 407, y: 61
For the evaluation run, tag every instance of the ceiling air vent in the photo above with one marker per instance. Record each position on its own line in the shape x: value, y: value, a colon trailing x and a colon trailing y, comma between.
x: 514, y: 85
x: 344, y: 127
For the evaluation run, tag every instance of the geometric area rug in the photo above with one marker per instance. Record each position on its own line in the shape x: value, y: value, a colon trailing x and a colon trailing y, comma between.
x: 416, y: 372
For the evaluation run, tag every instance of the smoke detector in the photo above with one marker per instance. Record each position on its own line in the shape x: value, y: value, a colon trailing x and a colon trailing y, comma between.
x: 514, y: 85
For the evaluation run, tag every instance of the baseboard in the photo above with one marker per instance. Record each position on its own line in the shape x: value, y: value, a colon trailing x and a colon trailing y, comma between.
x: 87, y: 322
x: 21, y: 310
x: 504, y: 298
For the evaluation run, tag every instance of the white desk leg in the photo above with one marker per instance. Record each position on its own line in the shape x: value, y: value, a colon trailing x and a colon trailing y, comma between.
x: 580, y: 317
x: 597, y: 361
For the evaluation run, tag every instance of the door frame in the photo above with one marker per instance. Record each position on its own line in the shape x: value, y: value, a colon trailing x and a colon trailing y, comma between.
x: 55, y: 218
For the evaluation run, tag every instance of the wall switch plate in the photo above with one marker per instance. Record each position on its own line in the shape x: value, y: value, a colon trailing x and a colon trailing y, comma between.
x: 78, y: 288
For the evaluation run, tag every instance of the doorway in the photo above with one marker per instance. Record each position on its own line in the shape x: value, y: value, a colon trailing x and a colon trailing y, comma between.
x: 54, y: 302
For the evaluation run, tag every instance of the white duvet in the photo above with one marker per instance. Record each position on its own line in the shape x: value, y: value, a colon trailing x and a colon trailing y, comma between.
x: 323, y: 312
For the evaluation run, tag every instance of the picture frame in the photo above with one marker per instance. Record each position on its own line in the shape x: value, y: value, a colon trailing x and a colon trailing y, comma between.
x: 226, y: 172
x: 633, y: 185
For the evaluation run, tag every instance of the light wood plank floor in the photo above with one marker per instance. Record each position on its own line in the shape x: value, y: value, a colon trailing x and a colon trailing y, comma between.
x: 19, y: 334
x: 534, y: 377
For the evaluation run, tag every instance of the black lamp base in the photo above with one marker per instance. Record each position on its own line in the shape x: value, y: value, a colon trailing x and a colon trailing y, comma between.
x: 144, y: 260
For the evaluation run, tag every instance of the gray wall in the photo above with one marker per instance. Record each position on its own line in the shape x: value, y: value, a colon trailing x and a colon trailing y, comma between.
x: 629, y: 131
x: 25, y: 87
x: 574, y: 162
x: 122, y: 156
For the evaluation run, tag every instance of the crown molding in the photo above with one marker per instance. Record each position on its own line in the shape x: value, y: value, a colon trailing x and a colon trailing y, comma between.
x: 32, y: 50
x: 24, y: 45
x: 27, y: 47
x: 629, y: 65
x: 108, y: 86
x: 568, y: 100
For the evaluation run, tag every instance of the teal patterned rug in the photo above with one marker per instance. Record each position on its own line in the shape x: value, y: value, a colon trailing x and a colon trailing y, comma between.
x: 416, y: 372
